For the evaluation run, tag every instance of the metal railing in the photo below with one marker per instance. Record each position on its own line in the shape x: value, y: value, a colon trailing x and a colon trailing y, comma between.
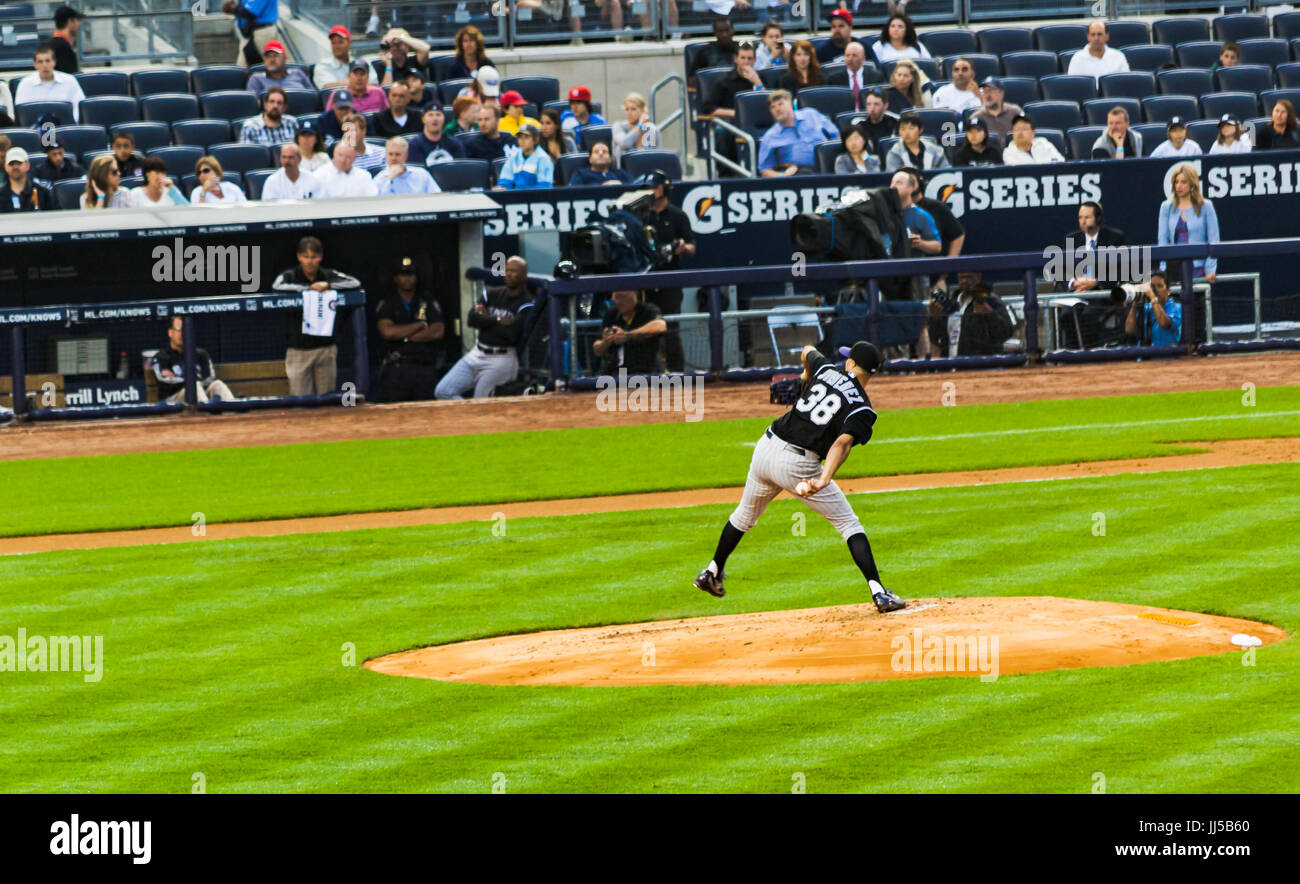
x: 113, y: 31
x: 678, y: 116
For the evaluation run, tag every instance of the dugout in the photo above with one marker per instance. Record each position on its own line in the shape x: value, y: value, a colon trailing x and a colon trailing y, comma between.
x: 51, y: 259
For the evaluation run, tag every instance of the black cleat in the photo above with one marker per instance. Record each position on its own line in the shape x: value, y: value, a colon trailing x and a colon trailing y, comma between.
x: 710, y: 584
x: 886, y: 601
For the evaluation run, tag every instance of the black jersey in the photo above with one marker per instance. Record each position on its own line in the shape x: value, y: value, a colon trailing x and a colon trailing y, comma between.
x: 833, y: 403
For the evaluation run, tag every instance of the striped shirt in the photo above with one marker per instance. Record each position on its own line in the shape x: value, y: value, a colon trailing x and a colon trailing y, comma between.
x: 256, y: 131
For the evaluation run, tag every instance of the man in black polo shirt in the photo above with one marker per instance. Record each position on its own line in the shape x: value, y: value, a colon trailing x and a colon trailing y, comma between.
x: 168, y: 366
x: 630, y: 338
x: 721, y: 101
x: 310, y: 361
x: 879, y: 122
x: 412, y: 328
x: 20, y: 191
x: 671, y: 226
x: 500, y: 319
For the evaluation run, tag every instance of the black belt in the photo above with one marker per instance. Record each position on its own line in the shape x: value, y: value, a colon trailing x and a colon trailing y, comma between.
x: 788, y: 447
x: 496, y: 351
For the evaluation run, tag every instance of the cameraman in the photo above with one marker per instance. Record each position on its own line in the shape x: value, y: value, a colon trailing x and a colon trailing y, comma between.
x: 673, y: 234
x: 1162, y: 318
x: 971, y: 321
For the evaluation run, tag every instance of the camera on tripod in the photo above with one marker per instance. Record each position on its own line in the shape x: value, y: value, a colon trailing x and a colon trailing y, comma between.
x: 621, y: 242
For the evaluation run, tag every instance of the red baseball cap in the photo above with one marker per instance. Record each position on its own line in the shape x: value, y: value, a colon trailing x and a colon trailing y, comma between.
x: 511, y: 97
x: 844, y: 14
x: 580, y: 93
x: 341, y: 31
x: 273, y: 46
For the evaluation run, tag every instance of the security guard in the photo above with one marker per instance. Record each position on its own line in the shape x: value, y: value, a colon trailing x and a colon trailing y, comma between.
x: 412, y: 327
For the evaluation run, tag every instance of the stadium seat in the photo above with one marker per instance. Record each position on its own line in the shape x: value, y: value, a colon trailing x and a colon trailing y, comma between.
x: 561, y: 105
x: 1135, y: 84
x: 232, y: 104
x: 1096, y: 111
x: 1180, y: 30
x: 935, y: 121
x: 81, y: 139
x: 217, y: 78
x: 836, y: 73
x: 1148, y: 57
x: 1080, y: 139
x: 1294, y: 42
x: 168, y: 108
x: 997, y: 41
x: 537, y: 90
x: 984, y: 65
x: 254, y: 181
x: 67, y: 194
x: 94, y: 83
x: 650, y: 159
x: 1063, y: 58
x: 852, y: 118
x: 591, y: 134
x: 292, y: 66
x: 566, y: 165
x: 440, y: 66
x: 242, y: 157
x: 1030, y: 64
x: 1265, y: 51
x: 1020, y: 90
x: 105, y: 110
x: 1063, y: 115
x: 180, y: 158
x: 497, y: 165
x: 1242, y: 105
x: 1270, y: 97
x: 1153, y: 134
x: 771, y: 76
x: 1159, y: 108
x: 448, y: 90
x: 1185, y: 81
x: 303, y: 102
x: 1203, y: 132
x: 191, y: 181
x: 1127, y: 33
x: 1197, y: 54
x: 1243, y: 78
x: 1286, y: 25
x: 26, y: 138
x: 752, y: 114
x: 830, y: 100
x: 884, y: 146
x: 1288, y: 76
x: 27, y: 113
x: 1240, y: 27
x: 1068, y: 87
x: 929, y: 65
x: 825, y: 154
x: 953, y: 41
x: 1057, y: 38
x: 147, y: 135
x: 159, y: 80
x: 201, y: 133
x: 1057, y: 137
x: 462, y: 174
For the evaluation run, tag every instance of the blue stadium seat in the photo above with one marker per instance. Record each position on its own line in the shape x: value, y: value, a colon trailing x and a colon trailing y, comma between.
x: 1266, y: 51
x: 462, y: 174
x: 984, y: 65
x: 217, y: 78
x: 1080, y: 139
x: 254, y: 181
x: 1057, y: 38
x: 1020, y: 90
x: 1270, y: 97
x: 440, y: 66
x: 1096, y: 111
x: 1180, y: 30
x: 1149, y: 57
x: 449, y: 89
x: 1057, y: 137
x: 952, y: 41
x: 159, y: 80
x: 303, y: 102
x: 27, y: 113
x: 1242, y: 105
x: 1159, y: 108
x: 180, y: 158
x: 562, y: 104
x: 591, y: 134
x: 191, y: 181
x: 771, y: 76
x: 752, y: 114
x: 147, y: 135
x: 168, y: 108
x: 536, y: 90
x: 1185, y: 81
x: 1197, y: 54
x: 1135, y: 84
x: 1288, y: 76
x: 929, y: 65
x: 566, y: 165
x: 935, y: 121
x: 1063, y: 58
x: 232, y: 104
x: 1153, y: 135
x: 103, y: 83
x: 1294, y: 42
x: 997, y: 41
x: 1030, y: 64
x: 824, y: 156
x: 497, y: 165
x: 705, y: 80
x: 1127, y: 33
x: 67, y: 194
x: 1063, y: 115
x: 106, y: 110
x: 81, y: 139
x: 201, y: 133
x: 1240, y: 27
x: 830, y: 100
x: 26, y: 138
x: 1243, y: 78
x: 1286, y: 25
x: 1203, y: 132
x: 1068, y: 87
x: 649, y: 159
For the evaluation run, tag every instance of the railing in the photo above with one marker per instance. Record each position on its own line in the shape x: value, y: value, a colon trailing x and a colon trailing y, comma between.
x: 678, y: 117
x: 123, y: 30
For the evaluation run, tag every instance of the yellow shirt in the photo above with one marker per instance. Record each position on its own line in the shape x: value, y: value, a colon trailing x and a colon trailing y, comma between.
x: 511, y: 126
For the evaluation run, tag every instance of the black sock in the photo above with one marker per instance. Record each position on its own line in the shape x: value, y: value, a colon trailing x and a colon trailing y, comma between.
x: 860, y: 549
x: 726, y: 544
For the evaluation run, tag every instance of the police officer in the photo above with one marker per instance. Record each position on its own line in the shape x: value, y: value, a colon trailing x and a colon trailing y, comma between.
x: 672, y: 227
x: 412, y: 327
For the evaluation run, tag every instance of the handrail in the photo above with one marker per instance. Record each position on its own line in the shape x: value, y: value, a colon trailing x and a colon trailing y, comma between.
x: 677, y: 116
x: 719, y: 123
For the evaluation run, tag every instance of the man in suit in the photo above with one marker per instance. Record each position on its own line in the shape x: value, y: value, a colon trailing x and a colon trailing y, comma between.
x: 854, y: 74
x: 1091, y: 235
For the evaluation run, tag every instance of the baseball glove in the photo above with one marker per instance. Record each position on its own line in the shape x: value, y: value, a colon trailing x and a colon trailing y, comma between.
x: 786, y: 389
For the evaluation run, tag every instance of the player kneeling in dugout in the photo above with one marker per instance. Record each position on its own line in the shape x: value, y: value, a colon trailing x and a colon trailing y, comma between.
x: 411, y: 325
x: 168, y: 366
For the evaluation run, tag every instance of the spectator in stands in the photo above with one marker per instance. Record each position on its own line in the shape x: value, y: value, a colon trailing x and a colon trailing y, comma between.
x: 952, y: 235
x: 57, y: 166
x: 411, y: 324
x: 580, y: 113
x: 996, y: 113
x: 168, y: 366
x: 635, y: 130
x: 364, y: 97
x: 291, y: 181
x: 67, y: 24
x: 1098, y: 59
x: 854, y: 74
x: 332, y: 73
x: 898, y: 40
x: 471, y: 54
x: 369, y: 156
x: 310, y: 146
x: 489, y: 142
x: 273, y: 126
x: 841, y: 36
x: 672, y: 227
x: 911, y: 149
x: 1281, y: 133
x: 421, y: 98
x: 1229, y: 55
x: 1187, y: 217
x: 6, y: 105
x: 879, y: 122
x: 788, y: 147
x: 1230, y: 138
x: 21, y: 192
x: 311, y: 361
x: 277, y: 73
x: 329, y: 125
x: 400, y: 177
x: 1026, y: 148
x: 464, y: 112
x: 1177, y: 144
x: 629, y: 338
x: 341, y: 178
x: 256, y: 21
x: 498, y: 318
x: 717, y: 54
x: 5, y: 144
x: 907, y: 87
x: 400, y: 54
x: 857, y: 158
x: 47, y: 84
x: 555, y: 140
x: 961, y: 95
x: 399, y: 118
x: 1118, y: 142
x: 721, y: 100
x: 212, y: 187
x: 803, y: 70
x: 924, y: 232
x: 599, y: 169
x: 158, y: 191
x: 977, y: 149
x: 512, y: 113
x: 1091, y: 235
x: 1162, y: 317
x: 103, y: 184
x: 486, y: 86
x: 772, y: 49
x: 972, y: 321
x: 433, y: 146
x: 527, y: 168
x: 130, y: 162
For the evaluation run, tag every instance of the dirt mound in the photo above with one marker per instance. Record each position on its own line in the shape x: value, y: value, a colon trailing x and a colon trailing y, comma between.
x: 980, y: 637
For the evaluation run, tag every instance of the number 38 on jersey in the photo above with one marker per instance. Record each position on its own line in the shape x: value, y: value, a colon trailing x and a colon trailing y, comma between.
x: 821, y: 403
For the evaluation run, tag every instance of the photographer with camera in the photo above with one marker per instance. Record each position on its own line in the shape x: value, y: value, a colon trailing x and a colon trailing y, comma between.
x: 630, y: 336
x: 400, y: 54
x: 674, y: 238
x: 972, y: 321
x: 1162, y: 317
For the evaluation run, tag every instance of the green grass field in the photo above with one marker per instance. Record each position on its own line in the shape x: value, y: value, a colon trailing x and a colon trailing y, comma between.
x: 229, y: 658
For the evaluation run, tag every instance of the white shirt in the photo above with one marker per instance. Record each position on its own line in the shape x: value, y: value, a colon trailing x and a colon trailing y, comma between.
x: 1241, y: 145
x: 1041, y: 151
x: 139, y: 199
x: 230, y: 193
x: 1166, y: 149
x: 885, y: 52
x: 319, y: 160
x: 412, y: 180
x: 334, y: 183
x: 64, y: 87
x: 959, y: 100
x: 331, y: 70
x: 6, y: 98
x: 279, y: 187
x: 1112, y: 61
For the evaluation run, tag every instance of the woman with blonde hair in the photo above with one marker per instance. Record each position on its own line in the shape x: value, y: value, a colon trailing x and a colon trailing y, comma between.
x: 104, y: 185
x: 635, y: 130
x: 471, y: 54
x: 1188, y: 217
x: 212, y: 187
x: 804, y: 70
x: 907, y: 87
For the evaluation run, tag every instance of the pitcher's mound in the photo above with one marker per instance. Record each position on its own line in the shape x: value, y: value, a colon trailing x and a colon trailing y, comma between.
x: 969, y: 636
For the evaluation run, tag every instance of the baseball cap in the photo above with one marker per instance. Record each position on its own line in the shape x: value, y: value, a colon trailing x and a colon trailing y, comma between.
x: 489, y: 81
x: 273, y: 46
x: 530, y: 130
x: 865, y: 354
x: 844, y: 14
x: 992, y: 82
x: 307, y: 125
x: 357, y: 65
x: 580, y: 93
x: 1175, y: 121
x: 977, y: 122
x: 1018, y: 117
x: 405, y: 264
x: 15, y: 155
x: 50, y: 143
x: 342, y: 98
x: 511, y: 98
x: 341, y: 31
x: 1229, y: 118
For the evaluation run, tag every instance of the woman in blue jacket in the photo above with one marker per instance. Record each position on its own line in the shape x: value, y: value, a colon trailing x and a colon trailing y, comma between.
x: 1187, y: 217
